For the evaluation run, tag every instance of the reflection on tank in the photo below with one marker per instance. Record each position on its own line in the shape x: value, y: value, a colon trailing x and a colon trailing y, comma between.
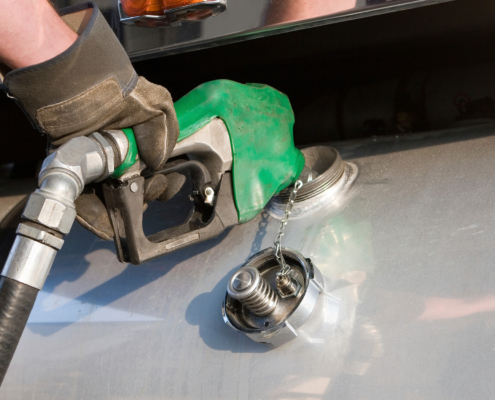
x: 281, y: 11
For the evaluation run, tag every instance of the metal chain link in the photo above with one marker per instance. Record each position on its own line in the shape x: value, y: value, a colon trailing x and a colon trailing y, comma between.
x: 284, y: 268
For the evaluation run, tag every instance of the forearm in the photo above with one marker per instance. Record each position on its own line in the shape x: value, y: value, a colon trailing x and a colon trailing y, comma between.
x: 31, y: 32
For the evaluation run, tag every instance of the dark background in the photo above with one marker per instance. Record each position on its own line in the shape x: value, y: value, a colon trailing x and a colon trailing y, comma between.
x: 306, y: 64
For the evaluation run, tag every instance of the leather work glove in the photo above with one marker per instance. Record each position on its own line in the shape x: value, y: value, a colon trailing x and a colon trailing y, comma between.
x: 90, y: 87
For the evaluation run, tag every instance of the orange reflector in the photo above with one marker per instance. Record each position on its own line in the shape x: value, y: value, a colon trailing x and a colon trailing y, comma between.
x: 136, y: 8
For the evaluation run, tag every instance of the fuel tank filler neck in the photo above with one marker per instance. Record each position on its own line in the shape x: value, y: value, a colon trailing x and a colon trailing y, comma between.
x: 325, y: 176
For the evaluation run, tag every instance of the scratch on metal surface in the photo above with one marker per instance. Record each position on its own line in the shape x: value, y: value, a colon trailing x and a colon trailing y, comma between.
x: 463, y: 229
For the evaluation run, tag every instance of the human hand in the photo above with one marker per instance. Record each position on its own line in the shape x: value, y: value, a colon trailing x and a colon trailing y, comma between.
x: 92, y: 86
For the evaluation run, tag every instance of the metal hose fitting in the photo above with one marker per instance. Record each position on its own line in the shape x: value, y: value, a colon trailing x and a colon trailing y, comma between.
x: 253, y: 291
x: 50, y: 210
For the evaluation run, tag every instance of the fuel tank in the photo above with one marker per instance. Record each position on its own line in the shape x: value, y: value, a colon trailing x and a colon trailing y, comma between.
x: 406, y: 254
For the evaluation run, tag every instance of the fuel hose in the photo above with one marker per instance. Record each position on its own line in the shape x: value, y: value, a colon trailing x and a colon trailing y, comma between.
x: 47, y: 217
x: 16, y: 303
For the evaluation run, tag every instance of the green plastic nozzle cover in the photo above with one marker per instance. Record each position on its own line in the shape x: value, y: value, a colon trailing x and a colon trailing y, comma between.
x: 260, y: 121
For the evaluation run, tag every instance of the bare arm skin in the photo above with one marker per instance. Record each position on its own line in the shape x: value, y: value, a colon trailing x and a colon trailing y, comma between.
x: 31, y: 32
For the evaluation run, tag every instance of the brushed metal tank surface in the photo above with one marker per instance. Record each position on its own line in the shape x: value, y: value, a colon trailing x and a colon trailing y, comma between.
x: 408, y: 259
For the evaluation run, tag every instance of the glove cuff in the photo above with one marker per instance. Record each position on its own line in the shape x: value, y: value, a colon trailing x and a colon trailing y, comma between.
x: 55, y: 95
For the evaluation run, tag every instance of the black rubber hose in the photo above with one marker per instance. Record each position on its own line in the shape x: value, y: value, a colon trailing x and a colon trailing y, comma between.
x: 16, y: 303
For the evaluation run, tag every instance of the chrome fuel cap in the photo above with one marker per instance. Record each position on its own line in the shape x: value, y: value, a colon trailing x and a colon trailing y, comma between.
x: 254, y: 306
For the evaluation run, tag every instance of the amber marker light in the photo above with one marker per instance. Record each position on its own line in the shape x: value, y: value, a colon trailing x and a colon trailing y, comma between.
x: 136, y: 8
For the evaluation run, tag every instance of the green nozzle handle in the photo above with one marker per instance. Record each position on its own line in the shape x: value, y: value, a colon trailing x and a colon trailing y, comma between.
x: 260, y: 120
